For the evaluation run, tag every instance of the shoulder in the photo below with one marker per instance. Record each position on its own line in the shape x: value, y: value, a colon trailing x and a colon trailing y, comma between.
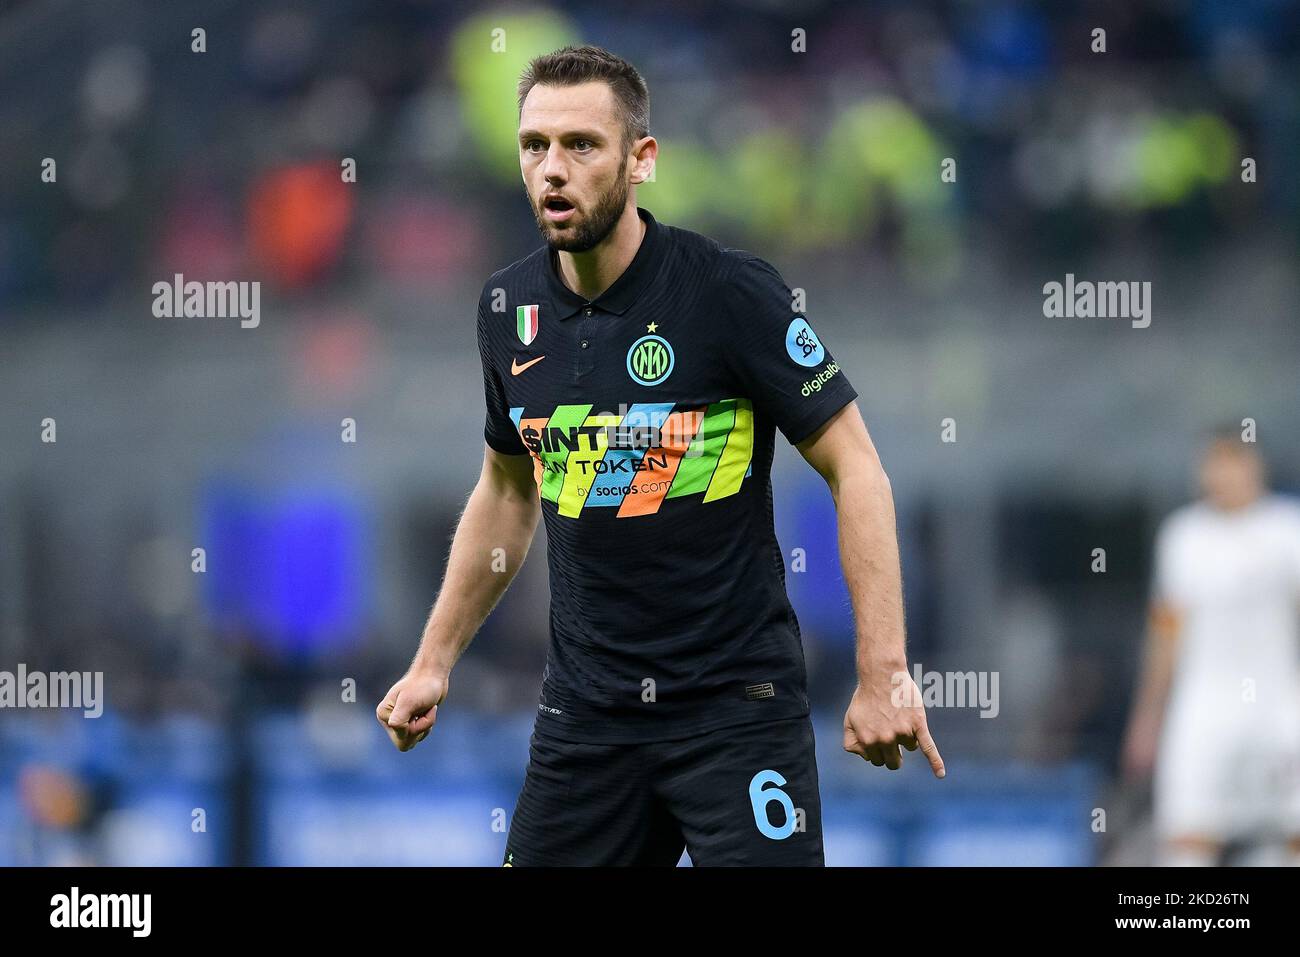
x: 723, y: 265
x: 1283, y: 509
x: 736, y: 285
x: 518, y: 278
x: 740, y: 268
x: 1181, y: 521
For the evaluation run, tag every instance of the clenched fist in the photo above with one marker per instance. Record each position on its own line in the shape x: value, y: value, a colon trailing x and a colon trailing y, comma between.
x: 410, y: 708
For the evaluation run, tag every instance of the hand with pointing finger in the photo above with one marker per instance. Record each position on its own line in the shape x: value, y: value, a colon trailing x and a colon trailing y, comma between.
x: 885, y: 713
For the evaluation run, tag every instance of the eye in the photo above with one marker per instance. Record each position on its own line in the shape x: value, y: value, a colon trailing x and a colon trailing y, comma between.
x: 583, y: 145
x: 528, y: 146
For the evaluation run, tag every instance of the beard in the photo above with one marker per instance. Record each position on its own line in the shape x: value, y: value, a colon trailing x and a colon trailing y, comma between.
x: 593, y: 227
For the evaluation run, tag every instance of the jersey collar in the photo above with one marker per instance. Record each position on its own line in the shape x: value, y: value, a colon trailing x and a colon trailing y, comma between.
x: 619, y: 297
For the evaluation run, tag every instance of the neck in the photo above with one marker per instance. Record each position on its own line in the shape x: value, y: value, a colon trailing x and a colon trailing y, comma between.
x: 590, y: 273
x: 1237, y: 504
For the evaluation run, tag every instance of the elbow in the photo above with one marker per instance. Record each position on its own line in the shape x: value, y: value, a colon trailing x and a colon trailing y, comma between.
x: 507, y: 484
x: 874, y: 470
x: 507, y: 493
x: 865, y: 476
x: 886, y: 488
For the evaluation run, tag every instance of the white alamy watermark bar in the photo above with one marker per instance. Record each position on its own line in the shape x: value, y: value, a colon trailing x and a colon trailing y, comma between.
x: 179, y: 299
x: 74, y: 909
x: 82, y: 690
x: 946, y: 689
x: 1085, y: 299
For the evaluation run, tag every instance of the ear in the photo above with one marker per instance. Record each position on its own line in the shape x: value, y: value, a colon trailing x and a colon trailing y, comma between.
x: 644, y: 156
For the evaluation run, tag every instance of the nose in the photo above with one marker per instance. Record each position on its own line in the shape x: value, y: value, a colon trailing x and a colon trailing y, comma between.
x: 553, y: 168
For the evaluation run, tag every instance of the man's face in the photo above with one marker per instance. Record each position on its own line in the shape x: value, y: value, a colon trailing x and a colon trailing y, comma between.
x: 573, y: 162
x: 1231, y: 474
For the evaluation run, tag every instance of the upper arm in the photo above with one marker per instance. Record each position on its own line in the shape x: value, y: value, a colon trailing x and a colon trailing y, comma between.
x: 1294, y: 541
x: 1163, y: 613
x: 498, y: 427
x: 842, y: 446
x: 509, y: 475
x: 1163, y: 620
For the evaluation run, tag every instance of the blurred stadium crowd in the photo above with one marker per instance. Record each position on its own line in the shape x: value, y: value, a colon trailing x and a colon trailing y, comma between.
x: 247, y: 691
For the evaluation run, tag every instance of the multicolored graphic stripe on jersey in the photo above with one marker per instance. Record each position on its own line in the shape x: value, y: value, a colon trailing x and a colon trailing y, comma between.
x: 636, y: 461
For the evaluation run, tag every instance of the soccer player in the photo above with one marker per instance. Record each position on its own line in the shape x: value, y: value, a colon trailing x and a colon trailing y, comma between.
x: 635, y: 374
x: 1217, y: 715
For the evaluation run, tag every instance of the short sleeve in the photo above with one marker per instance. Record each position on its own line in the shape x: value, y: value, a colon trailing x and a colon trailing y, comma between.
x: 498, y: 429
x: 1162, y: 565
x: 1293, y: 543
x: 784, y: 365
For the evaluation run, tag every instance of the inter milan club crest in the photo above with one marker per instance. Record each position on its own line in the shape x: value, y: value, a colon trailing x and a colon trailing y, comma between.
x: 527, y: 316
x: 650, y: 360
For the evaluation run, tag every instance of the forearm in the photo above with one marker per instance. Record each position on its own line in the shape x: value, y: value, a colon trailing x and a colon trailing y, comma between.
x: 489, y: 546
x: 1158, y: 665
x: 868, y: 537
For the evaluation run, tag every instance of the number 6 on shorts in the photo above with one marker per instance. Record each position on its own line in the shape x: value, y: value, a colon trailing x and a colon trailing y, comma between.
x: 760, y: 799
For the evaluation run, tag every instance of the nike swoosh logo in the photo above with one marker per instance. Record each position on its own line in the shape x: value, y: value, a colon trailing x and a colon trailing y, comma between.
x: 516, y: 368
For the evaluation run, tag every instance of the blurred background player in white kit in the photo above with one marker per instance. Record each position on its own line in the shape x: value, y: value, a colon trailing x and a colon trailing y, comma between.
x: 1217, y: 712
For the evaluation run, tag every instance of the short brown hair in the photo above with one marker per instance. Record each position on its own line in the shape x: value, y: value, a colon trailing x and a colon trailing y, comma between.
x: 573, y: 65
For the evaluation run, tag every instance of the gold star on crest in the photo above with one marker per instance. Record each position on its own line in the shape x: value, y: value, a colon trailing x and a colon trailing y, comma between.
x: 652, y: 327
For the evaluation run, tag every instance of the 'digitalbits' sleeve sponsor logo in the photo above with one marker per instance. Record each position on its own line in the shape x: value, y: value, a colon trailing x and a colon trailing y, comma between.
x: 815, y: 385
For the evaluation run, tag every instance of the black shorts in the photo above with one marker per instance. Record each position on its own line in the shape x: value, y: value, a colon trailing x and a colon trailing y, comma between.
x: 744, y: 795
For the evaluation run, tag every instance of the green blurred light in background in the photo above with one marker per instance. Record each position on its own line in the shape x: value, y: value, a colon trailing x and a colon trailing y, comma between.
x: 1176, y: 156
x: 878, y: 147
x: 488, y: 81
x: 757, y: 185
x: 770, y: 182
x: 1217, y: 142
x: 686, y: 177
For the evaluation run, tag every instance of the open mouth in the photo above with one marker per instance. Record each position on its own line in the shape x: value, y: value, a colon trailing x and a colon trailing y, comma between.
x: 557, y: 209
